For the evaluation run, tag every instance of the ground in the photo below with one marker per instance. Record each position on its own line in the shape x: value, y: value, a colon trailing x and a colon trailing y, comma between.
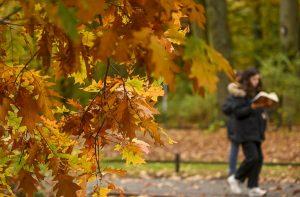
x: 208, y: 177
x: 194, y: 186
x: 281, y: 146
x: 198, y: 179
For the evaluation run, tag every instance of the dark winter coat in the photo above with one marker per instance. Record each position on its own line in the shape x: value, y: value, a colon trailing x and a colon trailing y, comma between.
x: 235, y: 90
x: 244, y: 124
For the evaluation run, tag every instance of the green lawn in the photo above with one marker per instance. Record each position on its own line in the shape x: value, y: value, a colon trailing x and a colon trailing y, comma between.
x: 205, y: 170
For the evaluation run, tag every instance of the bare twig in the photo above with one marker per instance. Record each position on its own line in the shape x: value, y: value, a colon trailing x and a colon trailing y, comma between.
x: 126, y: 93
x: 102, y: 90
x: 3, y: 2
x: 11, y: 45
x: 16, y: 10
x: 25, y: 66
x: 9, y: 23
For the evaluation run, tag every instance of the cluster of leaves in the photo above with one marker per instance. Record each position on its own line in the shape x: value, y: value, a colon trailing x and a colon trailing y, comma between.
x: 280, y: 72
x: 44, y: 141
x: 258, y: 37
x: 185, y: 108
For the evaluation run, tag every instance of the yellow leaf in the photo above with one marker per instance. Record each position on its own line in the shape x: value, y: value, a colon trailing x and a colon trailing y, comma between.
x: 134, y: 84
x: 81, y: 75
x: 204, y: 75
x: 175, y: 35
x: 206, y: 63
x: 163, y: 64
x: 94, y: 87
x: 220, y: 61
x: 102, y: 192
x: 88, y: 38
x: 61, y: 110
x: 132, y: 153
x: 154, y: 91
x: 119, y: 172
x: 170, y: 140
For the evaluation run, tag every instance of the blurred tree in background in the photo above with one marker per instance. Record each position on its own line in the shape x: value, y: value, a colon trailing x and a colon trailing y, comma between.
x: 260, y: 33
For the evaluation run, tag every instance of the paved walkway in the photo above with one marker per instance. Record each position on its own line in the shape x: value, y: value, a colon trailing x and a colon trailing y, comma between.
x: 194, y: 187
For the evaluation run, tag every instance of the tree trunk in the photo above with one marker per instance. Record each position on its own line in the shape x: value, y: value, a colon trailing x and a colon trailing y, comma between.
x: 257, y: 30
x: 289, y: 26
x: 219, y: 38
x: 289, y: 37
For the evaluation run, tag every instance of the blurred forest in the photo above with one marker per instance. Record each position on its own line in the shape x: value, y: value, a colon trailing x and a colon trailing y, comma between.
x: 259, y: 33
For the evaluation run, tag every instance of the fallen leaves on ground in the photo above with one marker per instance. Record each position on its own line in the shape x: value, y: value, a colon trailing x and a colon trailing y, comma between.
x: 195, y: 145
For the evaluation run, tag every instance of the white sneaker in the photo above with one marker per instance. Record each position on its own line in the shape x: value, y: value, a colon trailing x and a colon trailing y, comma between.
x: 256, y: 191
x: 234, y: 185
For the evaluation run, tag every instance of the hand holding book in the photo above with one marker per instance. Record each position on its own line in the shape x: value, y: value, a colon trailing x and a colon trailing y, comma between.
x: 264, y: 100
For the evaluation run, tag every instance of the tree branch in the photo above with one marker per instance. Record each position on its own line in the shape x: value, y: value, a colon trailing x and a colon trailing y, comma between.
x: 16, y: 10
x: 3, y: 2
x: 25, y: 66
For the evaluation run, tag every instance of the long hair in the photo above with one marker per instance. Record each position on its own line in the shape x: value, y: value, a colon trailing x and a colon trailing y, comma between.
x: 246, y: 84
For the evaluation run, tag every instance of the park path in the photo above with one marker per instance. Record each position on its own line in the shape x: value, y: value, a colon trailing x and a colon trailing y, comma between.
x: 194, y: 187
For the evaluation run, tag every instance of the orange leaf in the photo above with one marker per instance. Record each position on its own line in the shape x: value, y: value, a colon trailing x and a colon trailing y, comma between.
x: 65, y: 186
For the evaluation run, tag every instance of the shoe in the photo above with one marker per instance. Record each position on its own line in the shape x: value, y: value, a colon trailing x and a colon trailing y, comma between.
x: 234, y: 185
x: 256, y: 191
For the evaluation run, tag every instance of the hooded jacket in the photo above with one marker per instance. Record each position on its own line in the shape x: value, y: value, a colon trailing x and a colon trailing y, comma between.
x: 244, y: 123
x: 234, y: 91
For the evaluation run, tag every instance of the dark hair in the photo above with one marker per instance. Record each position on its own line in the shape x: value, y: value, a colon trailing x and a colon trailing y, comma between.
x: 238, y: 76
x: 246, y: 84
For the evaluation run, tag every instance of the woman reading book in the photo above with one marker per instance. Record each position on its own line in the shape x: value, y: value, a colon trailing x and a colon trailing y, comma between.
x: 248, y: 125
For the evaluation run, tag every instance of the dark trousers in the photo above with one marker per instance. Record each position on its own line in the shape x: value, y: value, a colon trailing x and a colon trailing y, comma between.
x: 250, y: 168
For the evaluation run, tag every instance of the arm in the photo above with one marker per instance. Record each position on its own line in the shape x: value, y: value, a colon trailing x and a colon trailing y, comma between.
x: 227, y: 107
x: 241, y: 112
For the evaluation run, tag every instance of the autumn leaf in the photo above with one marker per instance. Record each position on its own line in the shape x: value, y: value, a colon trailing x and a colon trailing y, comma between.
x: 132, y: 153
x: 81, y: 75
x: 102, y: 192
x: 65, y: 186
x: 205, y: 64
x: 119, y: 172
x: 27, y: 183
x: 164, y: 66
x: 88, y: 38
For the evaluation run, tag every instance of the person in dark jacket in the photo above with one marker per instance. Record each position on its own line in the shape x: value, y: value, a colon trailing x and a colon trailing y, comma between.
x: 248, y: 125
x: 235, y: 90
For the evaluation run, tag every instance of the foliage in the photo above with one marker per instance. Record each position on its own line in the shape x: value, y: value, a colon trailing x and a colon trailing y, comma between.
x: 49, y: 136
x: 254, y: 31
x: 279, y: 73
x: 254, y: 27
x: 186, y: 108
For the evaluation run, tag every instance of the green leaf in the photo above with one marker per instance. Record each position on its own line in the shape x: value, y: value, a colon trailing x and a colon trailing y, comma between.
x: 135, y: 84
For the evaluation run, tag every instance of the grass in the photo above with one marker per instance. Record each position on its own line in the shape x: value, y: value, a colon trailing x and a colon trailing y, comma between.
x: 204, y: 170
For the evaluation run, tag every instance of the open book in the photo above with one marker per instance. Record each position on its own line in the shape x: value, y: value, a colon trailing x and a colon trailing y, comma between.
x: 264, y: 97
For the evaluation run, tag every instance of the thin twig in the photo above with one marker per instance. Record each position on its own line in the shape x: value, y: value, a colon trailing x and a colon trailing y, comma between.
x: 102, y: 90
x: 46, y: 142
x: 25, y: 66
x: 9, y: 15
x: 126, y: 94
x: 2, y: 3
x: 9, y: 23
x: 11, y: 45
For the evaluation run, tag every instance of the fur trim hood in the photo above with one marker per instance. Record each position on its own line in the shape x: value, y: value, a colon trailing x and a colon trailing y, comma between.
x: 236, y: 90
